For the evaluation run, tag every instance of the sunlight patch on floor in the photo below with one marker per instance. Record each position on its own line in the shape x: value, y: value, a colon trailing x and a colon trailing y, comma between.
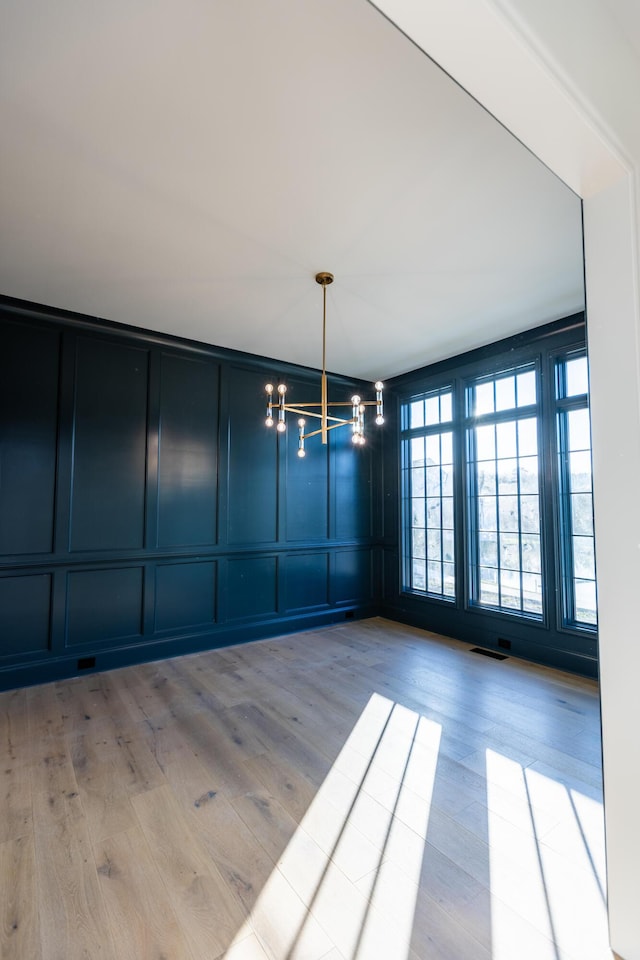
x: 546, y: 875
x: 349, y: 876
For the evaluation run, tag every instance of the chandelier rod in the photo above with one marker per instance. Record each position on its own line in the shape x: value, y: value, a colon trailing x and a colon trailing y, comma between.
x: 324, y: 281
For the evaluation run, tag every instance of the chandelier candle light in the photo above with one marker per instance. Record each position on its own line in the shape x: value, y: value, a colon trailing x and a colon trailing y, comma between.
x: 302, y: 410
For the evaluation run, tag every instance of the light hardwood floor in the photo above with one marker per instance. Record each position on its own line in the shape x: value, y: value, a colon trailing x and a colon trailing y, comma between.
x: 361, y: 791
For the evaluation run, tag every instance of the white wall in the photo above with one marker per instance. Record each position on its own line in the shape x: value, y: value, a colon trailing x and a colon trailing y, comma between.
x: 612, y: 332
x: 563, y: 76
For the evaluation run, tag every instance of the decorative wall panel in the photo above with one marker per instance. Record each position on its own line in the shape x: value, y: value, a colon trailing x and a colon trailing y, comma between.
x: 29, y: 365
x: 251, y: 587
x: 185, y: 595
x: 25, y: 605
x: 253, y: 463
x: 187, y: 452
x: 104, y: 605
x: 307, y: 580
x: 109, y: 447
x: 353, y: 487
x: 352, y: 576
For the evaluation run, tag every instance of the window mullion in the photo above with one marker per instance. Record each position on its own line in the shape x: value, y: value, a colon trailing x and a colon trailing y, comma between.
x: 518, y: 488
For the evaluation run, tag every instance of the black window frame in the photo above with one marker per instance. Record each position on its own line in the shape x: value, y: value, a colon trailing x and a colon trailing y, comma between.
x: 551, y: 638
x: 566, y: 599
x: 472, y: 495
x: 406, y: 539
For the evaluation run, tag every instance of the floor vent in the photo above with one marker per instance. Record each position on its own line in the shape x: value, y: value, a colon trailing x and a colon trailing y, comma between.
x: 86, y: 663
x: 489, y: 653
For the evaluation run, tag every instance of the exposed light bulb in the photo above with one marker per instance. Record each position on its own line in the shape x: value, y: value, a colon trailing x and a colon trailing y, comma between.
x: 378, y: 385
x: 301, y: 422
x: 281, y: 427
x: 354, y: 438
x: 269, y: 421
x: 379, y: 420
x: 355, y: 399
x: 268, y: 387
x: 301, y: 452
x: 282, y: 389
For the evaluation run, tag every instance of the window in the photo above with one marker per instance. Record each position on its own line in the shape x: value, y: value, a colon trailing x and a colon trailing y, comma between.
x: 503, y: 491
x: 428, y: 467
x: 575, y: 491
x: 497, y: 498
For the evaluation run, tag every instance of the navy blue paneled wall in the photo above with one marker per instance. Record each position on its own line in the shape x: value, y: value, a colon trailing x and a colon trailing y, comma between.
x: 145, y: 510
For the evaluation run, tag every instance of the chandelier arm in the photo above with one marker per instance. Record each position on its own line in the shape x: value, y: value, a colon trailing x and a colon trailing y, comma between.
x: 330, y: 403
x: 313, y: 433
x: 339, y: 421
x: 302, y: 406
x: 318, y: 416
x: 330, y: 426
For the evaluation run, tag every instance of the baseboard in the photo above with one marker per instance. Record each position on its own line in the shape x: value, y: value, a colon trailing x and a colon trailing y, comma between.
x: 76, y: 663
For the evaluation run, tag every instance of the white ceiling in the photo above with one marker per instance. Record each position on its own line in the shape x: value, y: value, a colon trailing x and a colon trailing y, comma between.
x: 188, y: 168
x: 627, y: 14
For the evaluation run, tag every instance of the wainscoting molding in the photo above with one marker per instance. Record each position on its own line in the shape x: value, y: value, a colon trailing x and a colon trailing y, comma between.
x: 145, y: 510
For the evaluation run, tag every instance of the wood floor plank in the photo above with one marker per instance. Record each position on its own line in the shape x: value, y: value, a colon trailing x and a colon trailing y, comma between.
x: 239, y: 724
x: 282, y: 738
x: 268, y: 820
x: 283, y: 781
x: 44, y: 712
x: 284, y: 926
x: 541, y: 751
x: 16, y: 806
x: 53, y: 782
x: 207, y: 911
x: 333, y: 691
x: 139, y: 908
x: 193, y: 687
x: 247, y: 948
x: 229, y: 686
x: 73, y: 920
x: 15, y: 756
x: 104, y: 796
x: 131, y: 756
x: 220, y: 757
x: 14, y: 724
x: 221, y: 832
x: 430, y: 701
x: 317, y: 725
x: 149, y: 691
x: 84, y: 701
x: 19, y: 919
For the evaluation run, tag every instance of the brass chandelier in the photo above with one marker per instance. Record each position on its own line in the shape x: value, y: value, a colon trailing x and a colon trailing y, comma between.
x: 303, y: 410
